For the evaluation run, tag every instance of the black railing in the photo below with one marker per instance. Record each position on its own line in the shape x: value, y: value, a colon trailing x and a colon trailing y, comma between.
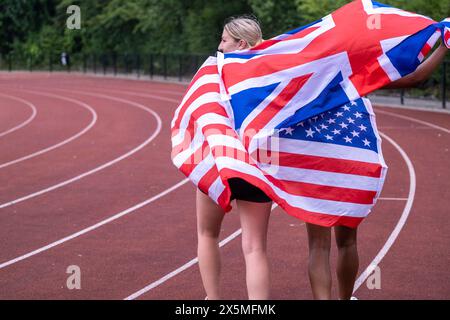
x: 179, y: 67
x: 183, y: 67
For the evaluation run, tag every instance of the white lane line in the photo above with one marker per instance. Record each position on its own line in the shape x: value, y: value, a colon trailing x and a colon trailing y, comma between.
x: 401, y: 222
x: 93, y: 227
x: 406, y: 107
x: 400, y: 199
x: 144, y: 95
x: 96, y: 226
x: 23, y: 124
x: 408, y: 206
x: 184, y: 267
x: 179, y: 270
x: 76, y: 136
x: 173, y: 93
x: 1, y: 266
x: 179, y: 94
x: 108, y: 164
x: 405, y: 128
x: 428, y: 124
x: 132, y: 93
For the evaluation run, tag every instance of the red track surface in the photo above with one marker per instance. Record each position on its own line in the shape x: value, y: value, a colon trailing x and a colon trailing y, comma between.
x: 67, y: 188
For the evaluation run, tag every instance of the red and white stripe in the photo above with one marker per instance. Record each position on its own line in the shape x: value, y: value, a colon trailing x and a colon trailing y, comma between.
x: 429, y: 45
x: 447, y: 33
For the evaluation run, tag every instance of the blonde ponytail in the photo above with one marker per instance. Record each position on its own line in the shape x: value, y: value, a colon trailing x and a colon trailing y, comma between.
x: 244, y: 28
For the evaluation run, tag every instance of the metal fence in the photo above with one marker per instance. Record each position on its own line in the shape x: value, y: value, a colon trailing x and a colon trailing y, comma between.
x: 183, y: 67
x: 180, y: 67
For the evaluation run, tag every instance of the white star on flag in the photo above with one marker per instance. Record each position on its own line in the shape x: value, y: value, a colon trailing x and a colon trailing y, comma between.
x: 347, y: 139
x: 354, y: 133
x: 288, y: 130
x: 309, y: 132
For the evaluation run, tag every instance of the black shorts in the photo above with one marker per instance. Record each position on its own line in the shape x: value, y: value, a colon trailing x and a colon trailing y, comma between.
x: 242, y: 190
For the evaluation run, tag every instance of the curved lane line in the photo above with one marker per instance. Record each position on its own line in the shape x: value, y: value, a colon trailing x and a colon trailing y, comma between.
x: 401, y: 222
x: 185, y: 266
x: 93, y: 227
x: 21, y: 125
x: 415, y: 120
x: 79, y: 134
x: 108, y: 164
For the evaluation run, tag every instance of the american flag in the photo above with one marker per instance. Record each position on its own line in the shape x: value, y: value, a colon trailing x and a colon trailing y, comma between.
x: 290, y: 117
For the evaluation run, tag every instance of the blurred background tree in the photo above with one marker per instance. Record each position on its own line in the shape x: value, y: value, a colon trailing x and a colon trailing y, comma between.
x: 37, y: 28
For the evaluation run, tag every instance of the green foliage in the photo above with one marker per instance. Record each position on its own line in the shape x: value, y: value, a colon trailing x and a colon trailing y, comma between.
x: 436, y: 9
x: 277, y: 17
x: 37, y: 28
x: 204, y: 23
x: 312, y: 10
x: 21, y: 18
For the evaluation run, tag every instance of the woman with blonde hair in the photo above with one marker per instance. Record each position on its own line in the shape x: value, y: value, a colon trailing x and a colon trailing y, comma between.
x: 253, y: 204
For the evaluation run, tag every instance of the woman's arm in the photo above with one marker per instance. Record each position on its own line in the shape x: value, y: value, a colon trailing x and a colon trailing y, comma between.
x: 423, y: 71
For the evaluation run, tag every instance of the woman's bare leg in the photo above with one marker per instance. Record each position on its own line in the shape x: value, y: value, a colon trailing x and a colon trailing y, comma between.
x: 348, y: 261
x: 254, y: 222
x: 209, y: 221
x: 319, y: 239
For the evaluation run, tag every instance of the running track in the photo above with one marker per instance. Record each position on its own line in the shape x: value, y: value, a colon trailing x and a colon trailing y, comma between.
x: 86, y: 179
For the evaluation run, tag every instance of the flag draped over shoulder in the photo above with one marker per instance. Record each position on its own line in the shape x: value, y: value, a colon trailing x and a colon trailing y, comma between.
x: 290, y: 117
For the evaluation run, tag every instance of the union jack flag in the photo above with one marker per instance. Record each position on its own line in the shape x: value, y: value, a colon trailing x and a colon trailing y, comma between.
x: 289, y: 115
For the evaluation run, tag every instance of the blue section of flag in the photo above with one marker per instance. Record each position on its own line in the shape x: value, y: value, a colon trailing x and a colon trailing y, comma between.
x: 245, y: 101
x: 332, y: 96
x: 404, y: 56
x: 240, y: 55
x: 348, y: 125
x: 380, y: 5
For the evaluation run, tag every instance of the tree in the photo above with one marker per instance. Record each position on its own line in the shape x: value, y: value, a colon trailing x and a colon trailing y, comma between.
x: 277, y: 17
x: 204, y: 23
x: 20, y: 18
x: 312, y: 10
x: 38, y: 27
